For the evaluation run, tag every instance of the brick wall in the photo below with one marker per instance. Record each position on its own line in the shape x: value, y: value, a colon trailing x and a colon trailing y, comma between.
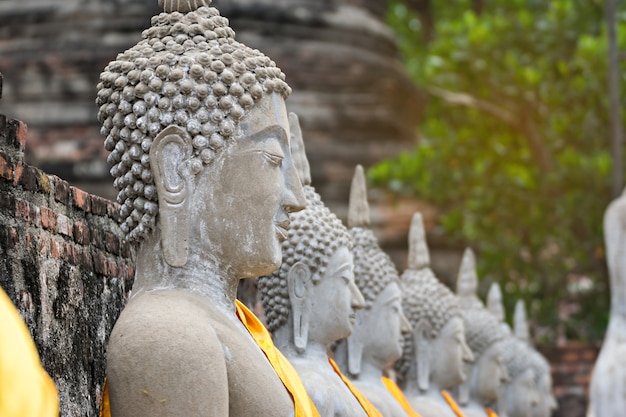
x: 65, y: 266
x: 571, y: 365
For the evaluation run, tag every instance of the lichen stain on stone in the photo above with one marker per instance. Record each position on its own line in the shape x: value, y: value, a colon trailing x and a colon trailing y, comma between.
x: 44, y: 183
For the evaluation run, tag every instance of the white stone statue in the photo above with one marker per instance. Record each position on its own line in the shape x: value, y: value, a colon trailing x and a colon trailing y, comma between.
x: 529, y: 390
x: 608, y: 382
x: 377, y: 340
x: 198, y: 135
x: 546, y: 402
x: 435, y: 354
x: 495, y: 305
x: 312, y: 300
x: 484, y: 336
x: 520, y: 396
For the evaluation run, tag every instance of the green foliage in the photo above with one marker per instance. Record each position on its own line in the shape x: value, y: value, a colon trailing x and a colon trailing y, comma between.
x: 516, y: 146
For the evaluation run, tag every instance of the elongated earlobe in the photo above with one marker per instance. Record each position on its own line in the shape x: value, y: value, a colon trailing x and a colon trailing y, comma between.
x: 355, y: 346
x: 299, y: 287
x: 421, y: 344
x: 169, y: 153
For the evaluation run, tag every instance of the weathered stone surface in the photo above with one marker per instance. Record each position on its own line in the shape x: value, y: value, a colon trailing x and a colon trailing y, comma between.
x: 46, y: 269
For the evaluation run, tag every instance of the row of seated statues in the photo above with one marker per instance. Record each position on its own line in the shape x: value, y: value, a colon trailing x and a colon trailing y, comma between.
x: 214, y: 187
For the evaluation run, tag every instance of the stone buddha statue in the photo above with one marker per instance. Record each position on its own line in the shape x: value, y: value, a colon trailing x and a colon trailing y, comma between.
x: 495, y: 306
x: 435, y: 354
x: 521, y: 395
x: 607, y: 391
x: 546, y: 403
x: 312, y: 300
x: 198, y: 136
x: 484, y: 336
x: 377, y: 340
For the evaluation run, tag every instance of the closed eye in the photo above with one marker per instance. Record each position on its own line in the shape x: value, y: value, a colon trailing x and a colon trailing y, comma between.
x: 275, y: 160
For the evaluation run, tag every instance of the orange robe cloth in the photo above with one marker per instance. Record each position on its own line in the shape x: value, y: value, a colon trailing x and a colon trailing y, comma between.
x: 26, y: 390
x: 303, y: 405
x: 453, y: 405
x: 367, y: 406
x: 490, y: 412
x: 399, y: 396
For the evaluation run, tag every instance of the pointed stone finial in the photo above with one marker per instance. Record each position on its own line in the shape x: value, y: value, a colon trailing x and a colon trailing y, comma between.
x: 359, y: 209
x: 298, y: 152
x: 467, y: 281
x: 520, y: 323
x: 494, y: 302
x: 182, y: 6
x: 419, y: 257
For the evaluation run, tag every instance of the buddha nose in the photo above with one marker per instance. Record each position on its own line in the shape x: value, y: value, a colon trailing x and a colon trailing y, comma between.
x: 293, y: 199
x: 405, y: 325
x: 468, y: 356
x: 504, y: 374
x: 358, y: 302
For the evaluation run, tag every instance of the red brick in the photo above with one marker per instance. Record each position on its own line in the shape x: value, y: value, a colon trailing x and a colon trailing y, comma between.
x: 23, y: 210
x: 113, y: 268
x: 81, y: 199
x: 69, y: 252
x: 98, y: 205
x: 55, y: 249
x: 111, y: 243
x: 48, y: 218
x: 43, y: 245
x: 81, y: 233
x: 6, y: 168
x: 113, y: 210
x: 100, y: 263
x: 61, y: 191
x: 64, y: 225
x: 20, y: 135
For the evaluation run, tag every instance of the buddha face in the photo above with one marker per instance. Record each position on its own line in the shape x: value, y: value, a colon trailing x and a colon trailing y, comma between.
x: 385, y: 326
x: 448, y: 354
x: 242, y: 198
x: 335, y: 300
x: 521, y: 395
x: 546, y: 403
x: 490, y: 373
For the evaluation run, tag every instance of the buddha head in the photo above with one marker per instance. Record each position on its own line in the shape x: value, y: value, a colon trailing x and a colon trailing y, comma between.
x: 484, y: 336
x: 313, y: 294
x: 521, y: 395
x: 436, y: 352
x: 197, y: 130
x: 546, y: 403
x: 378, y: 334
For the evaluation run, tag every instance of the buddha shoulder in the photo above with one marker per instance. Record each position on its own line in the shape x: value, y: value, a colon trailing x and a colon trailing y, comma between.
x: 164, y: 358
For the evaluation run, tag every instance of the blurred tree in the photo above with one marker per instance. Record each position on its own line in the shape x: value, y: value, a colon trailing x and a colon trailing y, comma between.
x: 516, y: 146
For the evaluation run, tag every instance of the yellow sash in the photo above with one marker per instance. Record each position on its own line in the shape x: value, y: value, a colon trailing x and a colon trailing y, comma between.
x: 453, y: 405
x: 303, y: 405
x: 399, y: 396
x: 490, y: 412
x: 26, y: 390
x: 367, y: 406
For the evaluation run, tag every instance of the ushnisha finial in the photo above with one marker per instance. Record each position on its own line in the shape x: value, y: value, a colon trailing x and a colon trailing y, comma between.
x: 494, y: 302
x: 467, y: 281
x: 298, y: 152
x: 520, y: 323
x: 419, y: 256
x: 359, y: 209
x: 182, y: 6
